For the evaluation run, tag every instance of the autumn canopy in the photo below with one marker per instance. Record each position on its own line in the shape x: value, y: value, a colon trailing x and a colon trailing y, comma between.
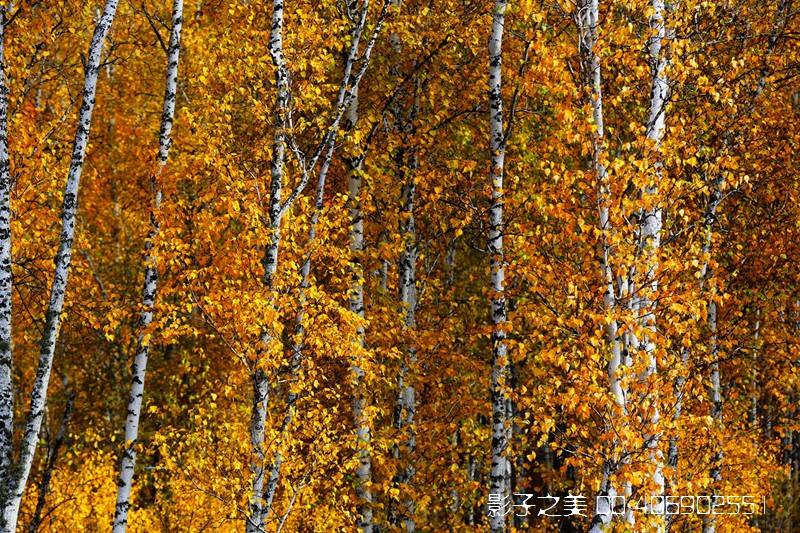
x: 394, y: 265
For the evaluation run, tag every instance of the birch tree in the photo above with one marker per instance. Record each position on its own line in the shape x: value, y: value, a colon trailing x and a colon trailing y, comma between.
x: 405, y: 406
x: 648, y: 234
x: 500, y: 476
x: 715, y: 390
x: 283, y: 139
x: 588, y: 19
x: 18, y: 477
x: 270, y: 262
x: 128, y: 456
x: 361, y: 419
x: 406, y: 162
x: 362, y: 423
x: 6, y: 282
x: 299, y: 332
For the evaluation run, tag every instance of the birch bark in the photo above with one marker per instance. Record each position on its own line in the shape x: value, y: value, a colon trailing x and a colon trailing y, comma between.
x: 299, y: 332
x: 270, y: 262
x: 258, y: 417
x: 356, y: 302
x: 363, y: 431
x: 348, y: 90
x: 128, y: 458
x: 715, y: 388
x: 405, y: 403
x: 588, y: 23
x: 752, y: 414
x: 649, y: 242
x: 499, y: 483
x: 6, y: 285
x: 19, y: 475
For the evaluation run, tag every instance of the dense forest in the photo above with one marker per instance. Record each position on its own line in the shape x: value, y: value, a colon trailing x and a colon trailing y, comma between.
x: 397, y: 265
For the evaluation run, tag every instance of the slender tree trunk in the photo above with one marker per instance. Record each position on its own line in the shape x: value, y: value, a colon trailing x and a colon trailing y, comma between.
x: 679, y: 384
x: 715, y: 388
x: 406, y: 161
x: 348, y: 90
x: 62, y: 261
x: 752, y: 415
x: 50, y: 465
x: 299, y: 333
x: 588, y: 18
x: 649, y: 231
x: 499, y: 484
x: 361, y: 419
x: 258, y: 417
x: 405, y: 404
x: 128, y: 458
x: 363, y: 432
x: 270, y: 262
x: 6, y: 367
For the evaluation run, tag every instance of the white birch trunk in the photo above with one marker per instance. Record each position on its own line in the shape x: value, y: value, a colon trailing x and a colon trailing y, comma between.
x: 270, y: 261
x: 715, y: 388
x: 588, y: 22
x: 500, y: 478
x: 6, y: 367
x: 405, y: 402
x: 278, y: 145
x: 649, y: 242
x: 261, y: 500
x: 363, y: 432
x: 363, y: 484
x: 258, y: 417
x: 299, y: 332
x: 62, y: 261
x: 128, y: 458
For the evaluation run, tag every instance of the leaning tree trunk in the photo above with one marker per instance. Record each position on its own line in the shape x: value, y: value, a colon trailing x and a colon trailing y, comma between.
x: 6, y: 378
x: 499, y: 483
x: 63, y: 259
x: 128, y: 458
x: 50, y: 465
